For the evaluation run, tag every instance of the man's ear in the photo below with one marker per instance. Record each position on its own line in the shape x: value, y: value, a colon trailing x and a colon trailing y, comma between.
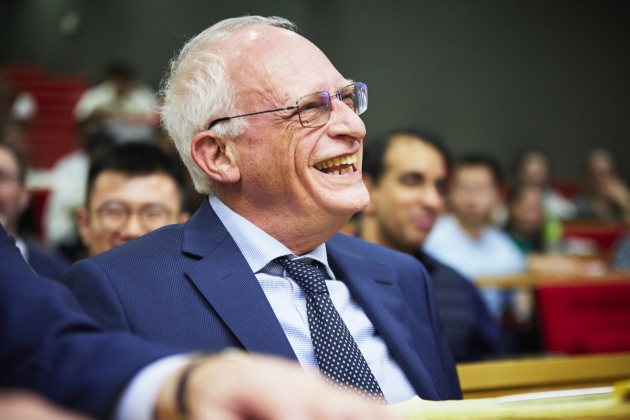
x: 368, y: 181
x: 83, y: 223
x: 216, y: 158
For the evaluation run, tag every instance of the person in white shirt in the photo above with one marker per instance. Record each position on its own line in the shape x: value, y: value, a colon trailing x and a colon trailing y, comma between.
x: 126, y: 104
x: 466, y: 239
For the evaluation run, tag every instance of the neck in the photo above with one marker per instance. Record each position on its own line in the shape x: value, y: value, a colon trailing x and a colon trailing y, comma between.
x: 473, y: 230
x: 10, y: 229
x: 301, y: 234
x: 371, y: 231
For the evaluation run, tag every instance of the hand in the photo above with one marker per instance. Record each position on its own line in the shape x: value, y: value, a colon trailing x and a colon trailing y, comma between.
x: 21, y: 405
x: 616, y: 191
x: 240, y: 387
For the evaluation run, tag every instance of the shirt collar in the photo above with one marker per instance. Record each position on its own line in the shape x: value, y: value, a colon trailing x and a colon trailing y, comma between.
x: 21, y: 245
x: 257, y: 246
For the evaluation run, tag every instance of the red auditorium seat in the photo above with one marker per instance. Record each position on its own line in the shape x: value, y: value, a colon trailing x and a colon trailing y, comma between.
x: 569, y: 188
x: 585, y: 318
x: 604, y: 234
x: 52, y: 134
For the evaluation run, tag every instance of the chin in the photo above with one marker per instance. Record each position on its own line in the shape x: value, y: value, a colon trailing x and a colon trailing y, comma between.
x: 348, y: 202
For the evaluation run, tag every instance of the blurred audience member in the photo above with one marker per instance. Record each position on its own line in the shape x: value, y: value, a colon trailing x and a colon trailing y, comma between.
x: 67, y: 191
x: 15, y: 106
x: 14, y: 200
x: 406, y: 173
x: 126, y: 104
x: 534, y: 167
x: 526, y: 209
x: 606, y: 196
x: 466, y: 239
x: 621, y: 257
x: 132, y: 189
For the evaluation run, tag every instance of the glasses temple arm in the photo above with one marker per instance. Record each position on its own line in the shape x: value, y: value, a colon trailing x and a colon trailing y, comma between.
x: 247, y: 115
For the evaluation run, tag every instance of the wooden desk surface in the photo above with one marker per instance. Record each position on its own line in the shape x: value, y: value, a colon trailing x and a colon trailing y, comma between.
x: 535, y: 280
x: 496, y: 378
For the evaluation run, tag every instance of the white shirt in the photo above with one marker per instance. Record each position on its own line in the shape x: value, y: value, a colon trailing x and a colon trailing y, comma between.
x: 492, y: 254
x: 288, y: 302
x: 67, y: 195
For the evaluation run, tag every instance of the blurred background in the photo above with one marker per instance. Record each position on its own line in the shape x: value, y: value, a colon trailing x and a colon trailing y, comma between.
x: 489, y: 75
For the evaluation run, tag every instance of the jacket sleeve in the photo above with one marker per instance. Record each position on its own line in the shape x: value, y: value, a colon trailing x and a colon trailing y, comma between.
x: 48, y: 345
x: 92, y: 287
x: 440, y: 338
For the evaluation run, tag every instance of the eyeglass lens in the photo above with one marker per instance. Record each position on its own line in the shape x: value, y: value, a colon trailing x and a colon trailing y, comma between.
x: 113, y: 216
x: 314, y: 109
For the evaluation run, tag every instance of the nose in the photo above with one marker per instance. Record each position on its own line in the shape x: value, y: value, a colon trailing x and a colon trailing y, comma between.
x: 344, y: 123
x: 432, y: 198
x: 132, y: 229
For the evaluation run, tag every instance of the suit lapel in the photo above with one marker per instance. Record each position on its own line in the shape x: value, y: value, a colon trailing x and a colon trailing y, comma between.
x: 375, y: 289
x: 224, y: 278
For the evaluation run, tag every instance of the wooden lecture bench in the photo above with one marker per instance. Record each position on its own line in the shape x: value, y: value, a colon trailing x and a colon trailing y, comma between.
x: 535, y: 280
x: 505, y: 377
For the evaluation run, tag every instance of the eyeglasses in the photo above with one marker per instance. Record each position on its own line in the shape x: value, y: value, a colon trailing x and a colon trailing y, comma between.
x: 113, y: 215
x: 314, y: 109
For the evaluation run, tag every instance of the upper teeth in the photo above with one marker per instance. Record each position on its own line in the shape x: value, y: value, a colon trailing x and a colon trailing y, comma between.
x: 342, y: 160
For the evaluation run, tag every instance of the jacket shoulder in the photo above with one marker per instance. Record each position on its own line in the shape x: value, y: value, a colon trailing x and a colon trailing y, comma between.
x: 374, y: 253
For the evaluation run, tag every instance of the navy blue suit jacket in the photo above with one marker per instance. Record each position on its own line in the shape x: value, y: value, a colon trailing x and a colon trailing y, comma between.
x: 189, y: 285
x: 47, y: 344
x: 45, y: 263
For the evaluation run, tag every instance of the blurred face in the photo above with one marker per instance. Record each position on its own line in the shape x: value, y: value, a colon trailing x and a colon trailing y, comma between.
x: 526, y: 212
x: 409, y: 195
x: 473, y: 194
x: 122, y: 208
x: 601, y: 170
x: 285, y: 167
x: 13, y: 194
x: 534, y: 169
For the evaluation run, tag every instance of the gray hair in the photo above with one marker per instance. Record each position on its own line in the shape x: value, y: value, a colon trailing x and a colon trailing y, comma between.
x: 197, y: 89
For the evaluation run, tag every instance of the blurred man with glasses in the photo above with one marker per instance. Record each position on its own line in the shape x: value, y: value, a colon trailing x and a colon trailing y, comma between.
x: 271, y: 132
x: 14, y: 200
x: 132, y: 189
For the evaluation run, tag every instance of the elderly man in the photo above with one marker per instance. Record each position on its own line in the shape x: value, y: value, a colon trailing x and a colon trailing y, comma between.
x: 406, y: 172
x: 270, y: 130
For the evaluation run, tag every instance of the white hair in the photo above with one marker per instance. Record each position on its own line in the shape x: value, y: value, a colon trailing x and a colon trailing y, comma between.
x: 197, y: 89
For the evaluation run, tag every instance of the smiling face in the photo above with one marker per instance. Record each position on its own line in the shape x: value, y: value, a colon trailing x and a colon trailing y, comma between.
x: 409, y: 195
x: 153, y: 200
x: 290, y: 175
x: 474, y: 193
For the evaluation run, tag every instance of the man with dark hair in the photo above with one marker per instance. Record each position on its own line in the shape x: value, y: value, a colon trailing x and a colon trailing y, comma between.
x: 132, y: 189
x: 466, y: 238
x: 14, y: 199
x: 406, y: 173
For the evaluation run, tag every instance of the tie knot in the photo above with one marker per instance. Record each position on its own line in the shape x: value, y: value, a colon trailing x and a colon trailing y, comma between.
x: 307, y: 276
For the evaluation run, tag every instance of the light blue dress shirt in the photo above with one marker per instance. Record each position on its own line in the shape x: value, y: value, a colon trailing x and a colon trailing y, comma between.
x: 288, y: 302
x: 492, y: 254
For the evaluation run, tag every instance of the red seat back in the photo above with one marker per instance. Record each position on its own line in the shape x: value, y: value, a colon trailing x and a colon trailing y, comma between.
x: 585, y: 318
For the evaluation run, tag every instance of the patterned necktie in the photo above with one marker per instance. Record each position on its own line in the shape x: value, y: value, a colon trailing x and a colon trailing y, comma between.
x: 338, y: 355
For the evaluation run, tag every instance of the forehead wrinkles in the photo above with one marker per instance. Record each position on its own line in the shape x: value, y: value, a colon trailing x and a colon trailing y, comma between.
x: 270, y: 64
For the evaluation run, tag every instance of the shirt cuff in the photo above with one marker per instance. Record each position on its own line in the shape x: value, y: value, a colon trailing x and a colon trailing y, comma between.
x: 139, y: 397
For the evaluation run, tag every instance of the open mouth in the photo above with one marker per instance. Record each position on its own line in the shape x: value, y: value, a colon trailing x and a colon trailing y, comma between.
x: 339, y: 165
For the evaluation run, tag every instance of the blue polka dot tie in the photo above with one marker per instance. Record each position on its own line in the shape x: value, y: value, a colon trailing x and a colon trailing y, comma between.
x: 338, y: 355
